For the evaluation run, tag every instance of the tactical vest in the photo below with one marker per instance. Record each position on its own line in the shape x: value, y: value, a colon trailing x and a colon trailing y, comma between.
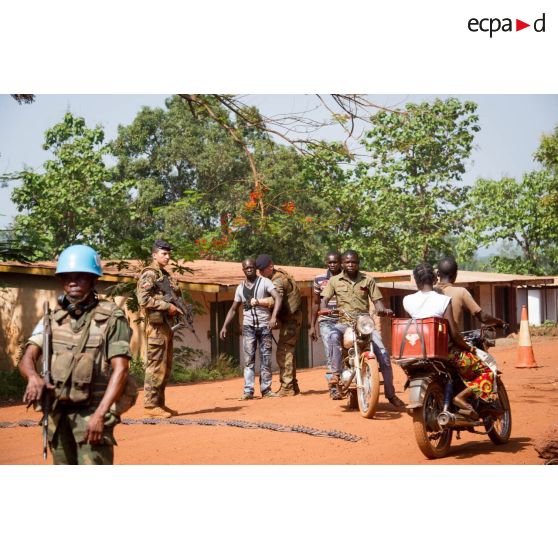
x: 156, y: 317
x: 291, y: 294
x: 160, y: 273
x: 82, y: 378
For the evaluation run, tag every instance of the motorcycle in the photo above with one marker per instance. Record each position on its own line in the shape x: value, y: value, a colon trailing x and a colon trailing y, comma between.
x: 360, y: 378
x: 433, y: 383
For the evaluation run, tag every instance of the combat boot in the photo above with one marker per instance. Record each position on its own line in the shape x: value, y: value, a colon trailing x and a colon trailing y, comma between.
x: 283, y: 392
x: 173, y: 412
x: 334, y: 393
x: 155, y: 412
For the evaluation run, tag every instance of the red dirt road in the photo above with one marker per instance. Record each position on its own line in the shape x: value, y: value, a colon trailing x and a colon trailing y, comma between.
x: 387, y: 439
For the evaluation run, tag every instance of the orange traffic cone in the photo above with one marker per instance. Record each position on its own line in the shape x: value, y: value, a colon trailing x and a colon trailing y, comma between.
x: 525, y: 355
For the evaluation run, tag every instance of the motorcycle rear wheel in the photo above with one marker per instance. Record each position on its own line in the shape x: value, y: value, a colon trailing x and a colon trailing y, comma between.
x: 370, y: 393
x: 499, y: 430
x: 431, y: 439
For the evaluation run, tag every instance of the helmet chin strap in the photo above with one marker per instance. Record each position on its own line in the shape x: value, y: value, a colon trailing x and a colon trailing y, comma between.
x: 79, y: 306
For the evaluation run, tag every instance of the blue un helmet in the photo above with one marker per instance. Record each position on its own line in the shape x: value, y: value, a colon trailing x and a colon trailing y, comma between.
x: 79, y: 259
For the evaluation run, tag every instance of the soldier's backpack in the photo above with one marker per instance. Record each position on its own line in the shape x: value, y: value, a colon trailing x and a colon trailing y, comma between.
x: 292, y: 298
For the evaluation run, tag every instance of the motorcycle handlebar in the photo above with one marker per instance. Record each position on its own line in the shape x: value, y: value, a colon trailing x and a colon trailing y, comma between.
x: 326, y: 312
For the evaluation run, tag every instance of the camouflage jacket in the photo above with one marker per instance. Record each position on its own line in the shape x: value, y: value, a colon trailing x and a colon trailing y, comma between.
x: 150, y: 297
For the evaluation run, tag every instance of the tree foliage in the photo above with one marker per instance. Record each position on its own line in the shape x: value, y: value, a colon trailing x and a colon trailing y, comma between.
x: 206, y: 173
x: 521, y: 213
x: 73, y: 200
x: 194, y: 184
x: 410, y: 192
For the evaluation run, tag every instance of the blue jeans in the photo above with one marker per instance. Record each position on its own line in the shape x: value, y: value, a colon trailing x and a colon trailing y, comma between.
x: 336, y: 356
x: 326, y: 327
x: 252, y: 337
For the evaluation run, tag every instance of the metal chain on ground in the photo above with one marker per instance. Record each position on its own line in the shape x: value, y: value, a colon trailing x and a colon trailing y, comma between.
x: 217, y: 422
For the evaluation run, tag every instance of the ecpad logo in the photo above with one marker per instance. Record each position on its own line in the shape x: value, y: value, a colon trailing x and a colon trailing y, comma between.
x: 492, y: 25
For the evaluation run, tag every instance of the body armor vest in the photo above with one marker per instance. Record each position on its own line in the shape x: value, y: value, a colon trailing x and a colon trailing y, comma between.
x: 82, y: 378
x: 292, y: 299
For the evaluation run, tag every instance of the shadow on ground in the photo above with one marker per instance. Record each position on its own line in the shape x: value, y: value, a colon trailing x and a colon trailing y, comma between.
x: 314, y: 392
x: 212, y: 410
x: 384, y: 411
x: 486, y: 447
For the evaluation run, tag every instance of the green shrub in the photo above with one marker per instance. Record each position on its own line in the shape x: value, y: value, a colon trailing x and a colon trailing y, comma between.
x: 137, y: 369
x: 189, y: 366
x: 12, y: 386
x: 219, y: 368
x: 547, y: 328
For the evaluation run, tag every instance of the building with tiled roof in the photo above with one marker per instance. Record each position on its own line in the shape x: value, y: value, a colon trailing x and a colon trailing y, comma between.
x: 210, y: 284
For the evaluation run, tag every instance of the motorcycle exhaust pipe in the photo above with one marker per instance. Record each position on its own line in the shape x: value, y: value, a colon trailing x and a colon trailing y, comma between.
x: 448, y: 420
x: 347, y: 377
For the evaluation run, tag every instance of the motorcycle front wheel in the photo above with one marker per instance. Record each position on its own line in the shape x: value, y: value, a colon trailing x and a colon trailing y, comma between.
x: 433, y: 441
x: 369, y: 394
x: 499, y: 429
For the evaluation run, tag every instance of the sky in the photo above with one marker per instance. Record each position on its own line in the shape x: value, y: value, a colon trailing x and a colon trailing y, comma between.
x: 511, y: 127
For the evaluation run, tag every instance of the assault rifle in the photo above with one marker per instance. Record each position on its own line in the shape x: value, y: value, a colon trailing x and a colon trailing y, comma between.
x: 186, y: 319
x: 47, y: 357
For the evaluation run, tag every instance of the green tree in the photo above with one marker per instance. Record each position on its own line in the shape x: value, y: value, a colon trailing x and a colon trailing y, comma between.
x: 340, y: 199
x: 522, y: 214
x: 196, y: 186
x: 411, y: 191
x: 282, y: 214
x: 187, y: 170
x: 73, y: 200
x: 547, y: 153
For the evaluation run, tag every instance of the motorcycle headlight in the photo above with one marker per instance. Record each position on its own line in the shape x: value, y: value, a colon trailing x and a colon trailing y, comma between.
x: 365, y: 325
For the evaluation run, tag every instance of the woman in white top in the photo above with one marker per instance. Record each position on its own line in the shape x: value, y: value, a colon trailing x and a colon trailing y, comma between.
x: 427, y: 303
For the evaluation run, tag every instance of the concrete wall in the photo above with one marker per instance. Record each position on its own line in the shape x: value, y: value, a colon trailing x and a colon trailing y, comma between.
x: 21, y: 308
x: 534, y: 306
x: 21, y: 303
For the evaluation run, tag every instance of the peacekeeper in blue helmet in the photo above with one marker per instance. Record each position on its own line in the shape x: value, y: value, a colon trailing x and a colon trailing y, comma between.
x: 90, y: 385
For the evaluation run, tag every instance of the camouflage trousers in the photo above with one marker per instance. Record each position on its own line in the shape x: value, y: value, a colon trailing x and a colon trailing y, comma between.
x: 66, y: 434
x: 286, y: 352
x: 158, y: 364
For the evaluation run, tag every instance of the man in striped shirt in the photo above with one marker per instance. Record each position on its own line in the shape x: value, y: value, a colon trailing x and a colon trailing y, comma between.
x: 257, y: 295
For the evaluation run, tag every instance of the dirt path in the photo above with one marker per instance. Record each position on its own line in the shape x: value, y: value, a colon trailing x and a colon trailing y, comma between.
x: 388, y: 439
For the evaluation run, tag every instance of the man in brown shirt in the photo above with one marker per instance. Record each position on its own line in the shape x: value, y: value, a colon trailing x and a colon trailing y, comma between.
x: 461, y: 298
x: 354, y: 291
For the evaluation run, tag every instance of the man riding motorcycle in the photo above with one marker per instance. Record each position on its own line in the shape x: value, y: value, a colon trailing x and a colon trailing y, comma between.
x: 354, y: 291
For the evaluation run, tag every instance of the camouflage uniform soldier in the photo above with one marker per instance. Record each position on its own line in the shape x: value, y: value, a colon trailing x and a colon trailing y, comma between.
x: 158, y: 314
x: 90, y: 358
x: 290, y: 317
